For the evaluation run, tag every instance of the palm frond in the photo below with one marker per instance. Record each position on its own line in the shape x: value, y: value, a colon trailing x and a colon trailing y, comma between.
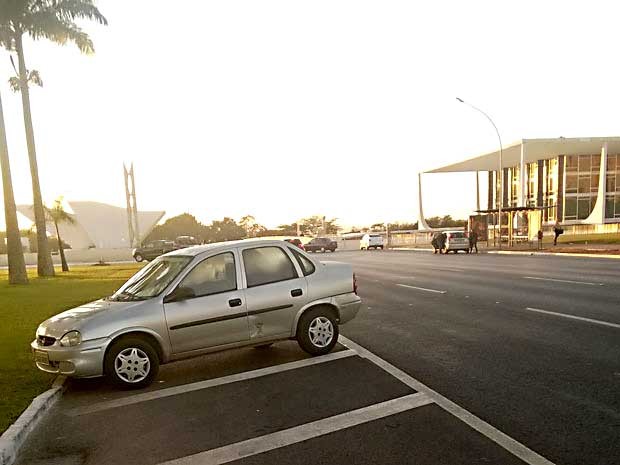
x: 14, y: 84
x: 35, y: 78
x: 42, y: 24
x: 70, y: 10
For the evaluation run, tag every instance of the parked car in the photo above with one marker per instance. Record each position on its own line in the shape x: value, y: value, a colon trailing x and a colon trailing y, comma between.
x: 456, y: 240
x: 296, y: 242
x: 185, y: 241
x: 199, y: 300
x: 152, y: 250
x: 371, y: 241
x: 321, y: 244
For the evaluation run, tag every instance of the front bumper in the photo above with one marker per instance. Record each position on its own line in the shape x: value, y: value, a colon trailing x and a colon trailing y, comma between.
x: 82, y: 361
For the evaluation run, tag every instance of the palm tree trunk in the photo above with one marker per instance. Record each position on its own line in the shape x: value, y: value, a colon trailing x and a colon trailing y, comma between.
x: 61, y: 251
x: 17, y: 266
x: 45, y: 267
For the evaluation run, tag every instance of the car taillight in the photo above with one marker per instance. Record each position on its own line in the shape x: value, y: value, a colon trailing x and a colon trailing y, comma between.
x: 354, y: 283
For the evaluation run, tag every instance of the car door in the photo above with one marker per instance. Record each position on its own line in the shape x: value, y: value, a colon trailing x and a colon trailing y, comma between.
x: 216, y: 314
x: 275, y: 290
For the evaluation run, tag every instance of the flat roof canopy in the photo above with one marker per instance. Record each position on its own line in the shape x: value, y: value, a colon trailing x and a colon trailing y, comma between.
x: 534, y: 149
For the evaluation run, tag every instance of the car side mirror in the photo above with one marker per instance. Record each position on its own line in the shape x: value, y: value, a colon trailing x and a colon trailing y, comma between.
x: 179, y: 294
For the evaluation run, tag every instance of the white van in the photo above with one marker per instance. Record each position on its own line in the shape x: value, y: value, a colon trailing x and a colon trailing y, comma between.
x: 371, y: 241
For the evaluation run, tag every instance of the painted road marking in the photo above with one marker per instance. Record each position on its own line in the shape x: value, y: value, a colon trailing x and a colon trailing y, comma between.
x: 422, y: 289
x: 573, y: 317
x: 563, y: 281
x: 304, y: 432
x: 511, y: 445
x: 173, y: 391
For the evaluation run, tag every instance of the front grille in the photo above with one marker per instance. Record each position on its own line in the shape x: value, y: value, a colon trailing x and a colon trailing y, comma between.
x: 45, y: 340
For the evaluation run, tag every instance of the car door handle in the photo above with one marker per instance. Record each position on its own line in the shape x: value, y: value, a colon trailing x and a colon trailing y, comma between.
x: 296, y: 292
x: 234, y: 302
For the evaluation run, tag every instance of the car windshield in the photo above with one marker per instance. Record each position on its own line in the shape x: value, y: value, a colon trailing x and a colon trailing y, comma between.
x: 151, y: 280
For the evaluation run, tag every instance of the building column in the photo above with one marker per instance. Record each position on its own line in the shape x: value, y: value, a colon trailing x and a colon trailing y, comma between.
x: 490, y: 192
x: 559, y: 211
x: 598, y: 212
x: 506, y: 188
x: 522, y: 178
x: 540, y: 193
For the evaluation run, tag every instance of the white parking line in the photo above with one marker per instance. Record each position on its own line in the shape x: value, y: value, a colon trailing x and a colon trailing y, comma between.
x: 563, y: 281
x: 422, y: 289
x: 173, y: 391
x: 511, y: 445
x: 304, y: 432
x: 573, y: 317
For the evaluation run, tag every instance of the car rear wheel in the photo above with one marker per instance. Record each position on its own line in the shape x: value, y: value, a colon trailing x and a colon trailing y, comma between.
x: 138, y: 257
x: 131, y: 363
x: 317, y: 331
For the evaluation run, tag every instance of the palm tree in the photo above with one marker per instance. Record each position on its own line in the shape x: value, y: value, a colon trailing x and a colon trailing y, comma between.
x: 56, y: 215
x: 53, y: 20
x: 17, y: 266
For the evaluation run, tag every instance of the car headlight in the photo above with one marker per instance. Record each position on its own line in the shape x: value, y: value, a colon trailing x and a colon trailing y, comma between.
x: 72, y: 338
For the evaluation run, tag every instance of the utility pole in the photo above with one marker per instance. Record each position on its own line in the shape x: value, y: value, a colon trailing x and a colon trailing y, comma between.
x: 132, y: 209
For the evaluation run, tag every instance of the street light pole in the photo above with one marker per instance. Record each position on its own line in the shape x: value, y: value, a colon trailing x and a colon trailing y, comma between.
x: 500, y: 173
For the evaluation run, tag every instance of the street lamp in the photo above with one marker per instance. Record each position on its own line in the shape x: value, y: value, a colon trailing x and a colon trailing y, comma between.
x: 499, y: 173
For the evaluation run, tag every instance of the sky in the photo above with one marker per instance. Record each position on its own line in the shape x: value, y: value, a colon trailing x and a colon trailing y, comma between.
x: 287, y: 109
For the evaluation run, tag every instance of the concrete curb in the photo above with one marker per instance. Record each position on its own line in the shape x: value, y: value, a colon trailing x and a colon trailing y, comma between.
x: 554, y: 254
x: 14, y: 437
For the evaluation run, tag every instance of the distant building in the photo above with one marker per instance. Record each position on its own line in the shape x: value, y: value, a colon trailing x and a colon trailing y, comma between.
x: 576, y: 180
x: 98, y: 225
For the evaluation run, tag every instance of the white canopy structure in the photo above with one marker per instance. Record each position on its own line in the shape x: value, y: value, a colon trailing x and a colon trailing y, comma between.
x: 98, y: 225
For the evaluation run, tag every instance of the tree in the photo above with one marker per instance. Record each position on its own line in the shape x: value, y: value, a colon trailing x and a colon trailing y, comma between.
x: 56, y: 215
x: 181, y: 225
x: 445, y: 222
x: 53, y: 20
x: 316, y: 225
x: 225, y: 230
x: 252, y: 228
x: 17, y: 265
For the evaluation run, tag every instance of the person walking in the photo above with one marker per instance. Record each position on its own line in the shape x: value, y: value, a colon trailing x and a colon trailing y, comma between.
x: 442, y: 242
x: 473, y: 240
x: 556, y: 232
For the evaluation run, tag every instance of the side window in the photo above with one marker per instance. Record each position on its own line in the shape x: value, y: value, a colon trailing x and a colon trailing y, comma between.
x: 264, y: 265
x: 212, y: 276
x: 306, y: 265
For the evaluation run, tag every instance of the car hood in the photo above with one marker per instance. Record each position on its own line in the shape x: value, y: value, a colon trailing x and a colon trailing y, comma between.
x: 73, y: 319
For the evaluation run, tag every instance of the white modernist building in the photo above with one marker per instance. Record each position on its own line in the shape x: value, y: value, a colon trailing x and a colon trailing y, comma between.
x: 98, y: 225
x: 574, y: 181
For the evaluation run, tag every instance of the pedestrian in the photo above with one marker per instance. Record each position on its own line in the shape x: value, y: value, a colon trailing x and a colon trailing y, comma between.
x: 473, y: 240
x: 435, y: 242
x: 442, y: 242
x: 557, y: 231
x: 540, y: 238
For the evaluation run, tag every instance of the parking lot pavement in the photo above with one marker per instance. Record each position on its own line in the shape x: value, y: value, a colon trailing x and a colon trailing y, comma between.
x: 272, y: 405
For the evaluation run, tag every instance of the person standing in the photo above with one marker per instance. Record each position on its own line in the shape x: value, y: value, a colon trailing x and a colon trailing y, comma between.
x: 473, y: 240
x: 556, y: 232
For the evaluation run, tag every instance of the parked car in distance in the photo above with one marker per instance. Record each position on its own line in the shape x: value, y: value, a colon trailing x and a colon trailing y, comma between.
x: 152, y: 250
x: 296, y: 242
x: 199, y: 300
x: 321, y: 244
x: 371, y: 241
x: 185, y: 241
x: 456, y: 240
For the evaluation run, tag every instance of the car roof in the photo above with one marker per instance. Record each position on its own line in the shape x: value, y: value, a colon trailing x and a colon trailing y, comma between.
x: 198, y: 249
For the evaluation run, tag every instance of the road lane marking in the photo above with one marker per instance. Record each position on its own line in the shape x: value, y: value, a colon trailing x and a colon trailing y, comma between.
x: 511, y: 445
x: 303, y: 432
x: 573, y: 317
x: 173, y: 391
x: 422, y: 289
x: 563, y: 281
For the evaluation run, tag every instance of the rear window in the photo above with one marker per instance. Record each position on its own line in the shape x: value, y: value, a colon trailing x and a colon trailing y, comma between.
x: 456, y: 235
x: 306, y: 265
x: 375, y: 235
x: 264, y: 265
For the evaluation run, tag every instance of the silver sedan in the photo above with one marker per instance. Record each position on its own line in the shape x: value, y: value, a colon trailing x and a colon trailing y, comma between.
x: 199, y: 300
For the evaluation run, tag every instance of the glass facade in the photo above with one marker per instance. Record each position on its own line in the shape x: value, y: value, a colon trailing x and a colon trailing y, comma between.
x: 612, y: 197
x: 581, y: 186
x: 550, y: 185
x: 532, y: 184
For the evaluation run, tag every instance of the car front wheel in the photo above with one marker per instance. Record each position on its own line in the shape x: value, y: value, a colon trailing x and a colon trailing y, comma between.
x: 131, y: 363
x: 317, y: 331
x: 138, y: 257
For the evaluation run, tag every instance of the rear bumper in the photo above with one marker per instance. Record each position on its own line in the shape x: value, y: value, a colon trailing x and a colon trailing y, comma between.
x: 348, y: 306
x: 84, y: 360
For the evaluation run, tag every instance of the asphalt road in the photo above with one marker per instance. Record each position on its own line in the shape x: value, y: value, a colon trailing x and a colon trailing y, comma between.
x: 476, y: 329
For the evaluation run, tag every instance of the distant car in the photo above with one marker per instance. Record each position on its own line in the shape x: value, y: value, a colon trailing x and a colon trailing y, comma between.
x: 321, y: 244
x: 296, y: 242
x: 205, y: 299
x: 371, y: 241
x: 152, y: 250
x: 455, y: 241
x: 185, y: 241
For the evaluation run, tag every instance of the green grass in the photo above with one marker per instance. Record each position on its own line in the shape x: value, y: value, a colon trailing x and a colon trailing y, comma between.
x: 590, y: 238
x: 23, y: 307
